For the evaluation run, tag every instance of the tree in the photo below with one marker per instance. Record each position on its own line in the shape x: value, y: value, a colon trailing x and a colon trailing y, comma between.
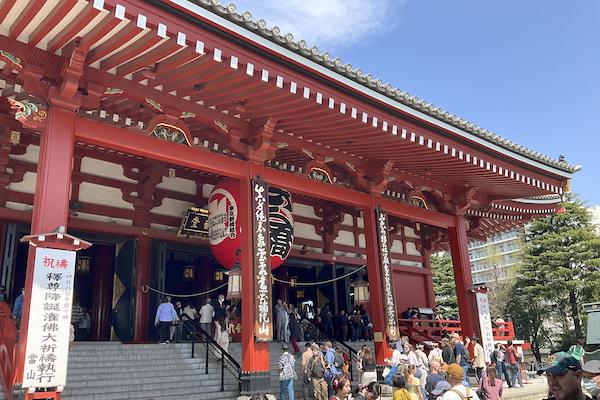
x: 444, y: 285
x: 560, y: 270
x: 500, y: 282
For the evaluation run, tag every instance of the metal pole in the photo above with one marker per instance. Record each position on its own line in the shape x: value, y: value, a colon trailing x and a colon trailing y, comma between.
x: 222, y: 370
x: 206, y: 372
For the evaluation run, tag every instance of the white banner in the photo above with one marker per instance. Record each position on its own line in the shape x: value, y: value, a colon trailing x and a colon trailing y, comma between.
x: 49, y: 319
x: 485, y: 324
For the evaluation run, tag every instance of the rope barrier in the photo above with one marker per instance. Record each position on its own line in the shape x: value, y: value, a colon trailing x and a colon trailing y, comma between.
x: 147, y: 288
x: 320, y: 283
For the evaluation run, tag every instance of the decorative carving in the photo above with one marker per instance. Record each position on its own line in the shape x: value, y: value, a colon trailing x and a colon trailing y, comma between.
x: 282, y: 145
x: 110, y: 91
x: 222, y: 126
x: 187, y: 114
x: 419, y: 202
x: 15, y: 138
x: 10, y: 58
x: 170, y: 133
x: 319, y: 174
x: 308, y: 153
x: 29, y: 114
x: 154, y: 104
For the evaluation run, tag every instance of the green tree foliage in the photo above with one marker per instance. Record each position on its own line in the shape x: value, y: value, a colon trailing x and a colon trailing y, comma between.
x: 560, y: 271
x: 444, y: 285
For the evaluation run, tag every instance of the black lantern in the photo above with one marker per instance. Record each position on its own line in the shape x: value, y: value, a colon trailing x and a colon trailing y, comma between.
x: 83, y: 264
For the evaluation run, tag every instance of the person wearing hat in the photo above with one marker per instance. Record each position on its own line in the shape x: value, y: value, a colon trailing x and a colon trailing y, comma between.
x: 591, y: 378
x: 458, y: 391
x: 440, y: 388
x: 564, y: 378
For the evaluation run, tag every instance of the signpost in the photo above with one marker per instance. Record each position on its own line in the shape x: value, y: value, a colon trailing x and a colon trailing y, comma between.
x: 485, y: 324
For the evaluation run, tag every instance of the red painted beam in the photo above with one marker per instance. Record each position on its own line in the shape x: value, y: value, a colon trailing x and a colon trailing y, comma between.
x: 416, y: 214
x: 146, y: 146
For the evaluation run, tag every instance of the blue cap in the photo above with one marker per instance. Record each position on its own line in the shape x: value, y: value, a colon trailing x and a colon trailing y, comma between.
x: 562, y: 363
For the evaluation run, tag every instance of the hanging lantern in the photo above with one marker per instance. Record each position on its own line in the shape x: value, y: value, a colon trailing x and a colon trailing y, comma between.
x: 83, y: 264
x: 361, y: 291
x: 224, y: 226
x: 293, y: 281
x: 234, y: 283
x: 219, y: 276
x: 189, y: 273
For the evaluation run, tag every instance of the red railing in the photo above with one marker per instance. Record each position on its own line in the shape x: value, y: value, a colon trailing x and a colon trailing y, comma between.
x: 426, y: 329
x: 9, y: 349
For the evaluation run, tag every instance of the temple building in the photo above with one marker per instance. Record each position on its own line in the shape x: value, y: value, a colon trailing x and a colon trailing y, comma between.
x: 121, y: 119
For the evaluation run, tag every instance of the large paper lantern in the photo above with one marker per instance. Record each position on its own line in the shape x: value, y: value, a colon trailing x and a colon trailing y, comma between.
x: 224, y: 223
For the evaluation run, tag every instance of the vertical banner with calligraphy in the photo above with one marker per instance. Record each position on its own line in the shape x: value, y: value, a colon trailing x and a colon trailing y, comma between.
x: 485, y: 324
x: 389, y: 302
x: 263, y: 321
x: 49, y: 318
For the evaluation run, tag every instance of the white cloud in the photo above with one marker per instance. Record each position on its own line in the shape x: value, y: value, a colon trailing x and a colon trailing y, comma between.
x: 328, y: 24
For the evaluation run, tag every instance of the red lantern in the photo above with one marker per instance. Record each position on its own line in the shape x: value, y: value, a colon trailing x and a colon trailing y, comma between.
x: 224, y: 227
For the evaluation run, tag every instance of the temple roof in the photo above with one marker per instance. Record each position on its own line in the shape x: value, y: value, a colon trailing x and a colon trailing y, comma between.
x: 366, y: 80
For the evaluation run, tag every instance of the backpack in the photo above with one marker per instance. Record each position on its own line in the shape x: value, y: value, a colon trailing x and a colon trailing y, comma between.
x: 494, y: 357
x: 390, y: 376
x: 316, y: 368
x: 338, y: 360
x: 462, y: 396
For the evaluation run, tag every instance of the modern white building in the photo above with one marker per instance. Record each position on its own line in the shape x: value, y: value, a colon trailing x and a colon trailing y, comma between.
x: 494, y: 259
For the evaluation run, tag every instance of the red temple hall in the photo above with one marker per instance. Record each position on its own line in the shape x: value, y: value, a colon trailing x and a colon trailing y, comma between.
x: 183, y: 147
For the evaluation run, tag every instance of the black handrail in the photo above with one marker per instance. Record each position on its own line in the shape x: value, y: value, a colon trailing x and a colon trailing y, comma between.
x: 201, y: 336
x: 335, y: 341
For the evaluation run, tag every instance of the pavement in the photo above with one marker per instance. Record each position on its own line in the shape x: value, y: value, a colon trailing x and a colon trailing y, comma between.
x: 534, y: 389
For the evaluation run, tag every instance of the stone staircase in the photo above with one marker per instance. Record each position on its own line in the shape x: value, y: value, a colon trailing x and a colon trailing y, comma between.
x: 115, y: 371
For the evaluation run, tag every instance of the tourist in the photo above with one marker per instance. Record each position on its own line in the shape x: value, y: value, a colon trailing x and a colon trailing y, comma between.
x: 367, y: 325
x: 223, y: 340
x: 317, y: 373
x: 396, y: 355
x: 439, y: 390
x: 591, y: 378
x: 220, y: 315
x: 447, y: 351
x: 455, y: 377
x: 176, y: 327
x: 460, y: 356
x: 333, y: 366
x: 435, y: 354
x: 207, y: 312
x: 409, y: 350
x: 413, y: 384
x: 306, y: 378
x: 76, y: 313
x: 490, y: 385
x: 422, y: 360
x: 356, y: 326
x: 343, y: 324
x: 565, y: 376
x: 359, y: 357
x: 280, y: 317
x: 17, y: 310
x: 327, y: 320
x: 478, y: 358
x: 512, y: 363
x: 190, y: 311
x: 360, y: 392
x: 373, y: 391
x: 83, y: 328
x: 578, y: 351
x: 287, y: 373
x: 342, y: 388
x: 367, y: 364
x: 501, y: 364
x: 435, y: 375
x: 165, y: 316
x: 294, y: 327
x: 400, y: 391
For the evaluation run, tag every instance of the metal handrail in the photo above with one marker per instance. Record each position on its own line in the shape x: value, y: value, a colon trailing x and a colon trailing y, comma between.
x: 351, y: 352
x: 201, y: 336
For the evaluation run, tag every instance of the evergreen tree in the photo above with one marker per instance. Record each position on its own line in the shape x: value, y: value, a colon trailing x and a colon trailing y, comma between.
x: 444, y: 285
x: 560, y: 271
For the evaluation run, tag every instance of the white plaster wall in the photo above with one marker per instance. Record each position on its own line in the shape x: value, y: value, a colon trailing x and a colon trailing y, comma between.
x: 303, y: 210
x: 101, y: 218
x: 172, y: 207
x: 348, y: 221
x: 411, y: 249
x: 360, y: 222
x: 207, y: 189
x: 105, y: 169
x: 103, y: 195
x: 306, y: 231
x: 410, y: 232
x: 345, y: 238
x: 178, y: 185
x: 397, y: 246
x: 19, y: 206
x: 361, y: 241
x: 32, y: 153
x: 27, y: 185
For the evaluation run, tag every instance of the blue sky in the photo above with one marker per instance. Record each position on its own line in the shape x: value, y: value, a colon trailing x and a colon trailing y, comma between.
x: 526, y: 70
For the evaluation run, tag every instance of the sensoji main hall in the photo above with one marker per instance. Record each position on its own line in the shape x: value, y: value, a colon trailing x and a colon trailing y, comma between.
x: 120, y: 117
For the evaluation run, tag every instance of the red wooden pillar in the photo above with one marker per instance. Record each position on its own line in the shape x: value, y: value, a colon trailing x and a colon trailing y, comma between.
x: 429, y: 280
x: 142, y: 277
x: 52, y: 190
x: 462, y: 276
x: 255, y: 356
x: 382, y: 349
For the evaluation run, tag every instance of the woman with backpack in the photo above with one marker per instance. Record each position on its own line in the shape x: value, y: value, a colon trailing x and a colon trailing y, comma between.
x: 316, y: 371
x: 490, y: 386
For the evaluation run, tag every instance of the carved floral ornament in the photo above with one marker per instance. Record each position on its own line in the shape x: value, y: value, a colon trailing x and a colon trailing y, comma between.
x: 319, y: 174
x: 171, y: 133
x: 29, y: 114
x: 11, y: 59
